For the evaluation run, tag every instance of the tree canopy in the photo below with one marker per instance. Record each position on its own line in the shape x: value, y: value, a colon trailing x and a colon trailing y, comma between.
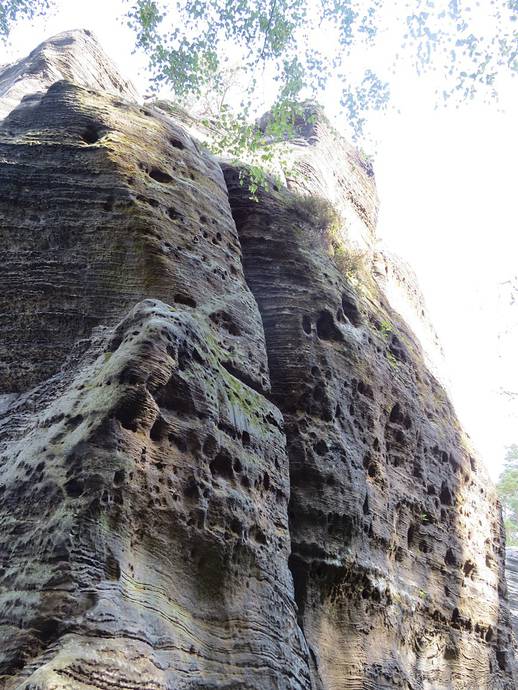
x: 507, y: 488
x: 294, y: 49
x: 303, y: 45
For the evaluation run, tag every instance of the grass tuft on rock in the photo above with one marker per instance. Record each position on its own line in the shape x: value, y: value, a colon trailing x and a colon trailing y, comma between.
x: 320, y: 216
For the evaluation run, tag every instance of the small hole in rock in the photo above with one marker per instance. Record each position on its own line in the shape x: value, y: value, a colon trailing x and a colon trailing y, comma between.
x: 351, y: 310
x: 222, y: 466
x: 326, y: 327
x: 113, y: 570
x: 396, y: 417
x: 91, y: 134
x: 445, y: 496
x: 74, y: 488
x: 160, y: 176
x: 469, y: 568
x: 174, y: 214
x: 449, y: 558
x: 321, y: 447
x: 48, y: 630
x: 306, y: 324
x: 185, y: 299
x: 501, y: 657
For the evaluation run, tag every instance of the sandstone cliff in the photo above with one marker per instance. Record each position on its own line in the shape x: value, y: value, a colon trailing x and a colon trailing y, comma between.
x: 512, y: 580
x: 224, y: 463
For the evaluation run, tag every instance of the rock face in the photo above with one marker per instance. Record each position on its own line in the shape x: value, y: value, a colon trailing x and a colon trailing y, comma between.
x: 511, y: 572
x: 103, y: 204
x: 75, y: 56
x: 223, y: 462
x: 397, y: 542
x: 512, y: 581
x: 399, y: 284
x: 322, y: 163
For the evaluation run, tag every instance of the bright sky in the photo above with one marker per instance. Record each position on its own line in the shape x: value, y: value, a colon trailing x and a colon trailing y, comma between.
x: 448, y: 189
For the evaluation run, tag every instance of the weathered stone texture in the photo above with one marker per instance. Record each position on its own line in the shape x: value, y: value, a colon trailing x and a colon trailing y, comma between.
x: 397, y: 545
x: 144, y: 513
x: 322, y: 163
x: 75, y: 56
x: 399, y: 284
x: 191, y: 501
x: 512, y: 581
x: 104, y: 203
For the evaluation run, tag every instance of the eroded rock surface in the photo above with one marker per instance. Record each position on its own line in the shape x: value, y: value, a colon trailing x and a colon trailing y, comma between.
x: 190, y: 500
x: 144, y: 512
x: 104, y: 203
x: 397, y: 542
x: 512, y: 582
x: 399, y: 284
x: 322, y: 163
x: 73, y: 55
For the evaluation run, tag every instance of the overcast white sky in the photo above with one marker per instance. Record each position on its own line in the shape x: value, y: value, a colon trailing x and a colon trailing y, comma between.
x: 448, y: 187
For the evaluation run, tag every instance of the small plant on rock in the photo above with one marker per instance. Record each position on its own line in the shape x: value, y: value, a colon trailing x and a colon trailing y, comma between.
x: 319, y: 214
x: 349, y: 260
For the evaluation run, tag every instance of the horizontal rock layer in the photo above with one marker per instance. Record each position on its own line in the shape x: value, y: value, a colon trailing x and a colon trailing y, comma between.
x: 104, y: 203
x: 75, y: 56
x: 223, y: 462
x: 512, y: 580
x: 397, y: 541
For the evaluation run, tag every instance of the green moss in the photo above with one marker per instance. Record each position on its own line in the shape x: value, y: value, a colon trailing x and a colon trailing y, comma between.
x: 240, y: 395
x: 392, y: 360
x: 350, y: 261
x: 386, y: 329
x: 252, y: 405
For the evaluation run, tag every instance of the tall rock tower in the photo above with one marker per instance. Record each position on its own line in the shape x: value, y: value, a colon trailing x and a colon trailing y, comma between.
x: 224, y: 464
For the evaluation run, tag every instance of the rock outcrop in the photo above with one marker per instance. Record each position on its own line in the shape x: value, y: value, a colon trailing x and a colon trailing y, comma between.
x: 397, y: 543
x: 511, y: 572
x: 399, y: 284
x: 512, y: 582
x: 75, y: 56
x: 223, y: 461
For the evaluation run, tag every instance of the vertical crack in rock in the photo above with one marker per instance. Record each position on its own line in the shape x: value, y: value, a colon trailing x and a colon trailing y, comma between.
x: 396, y: 535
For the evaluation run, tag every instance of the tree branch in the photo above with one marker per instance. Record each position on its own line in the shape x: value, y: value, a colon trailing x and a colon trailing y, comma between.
x: 267, y: 30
